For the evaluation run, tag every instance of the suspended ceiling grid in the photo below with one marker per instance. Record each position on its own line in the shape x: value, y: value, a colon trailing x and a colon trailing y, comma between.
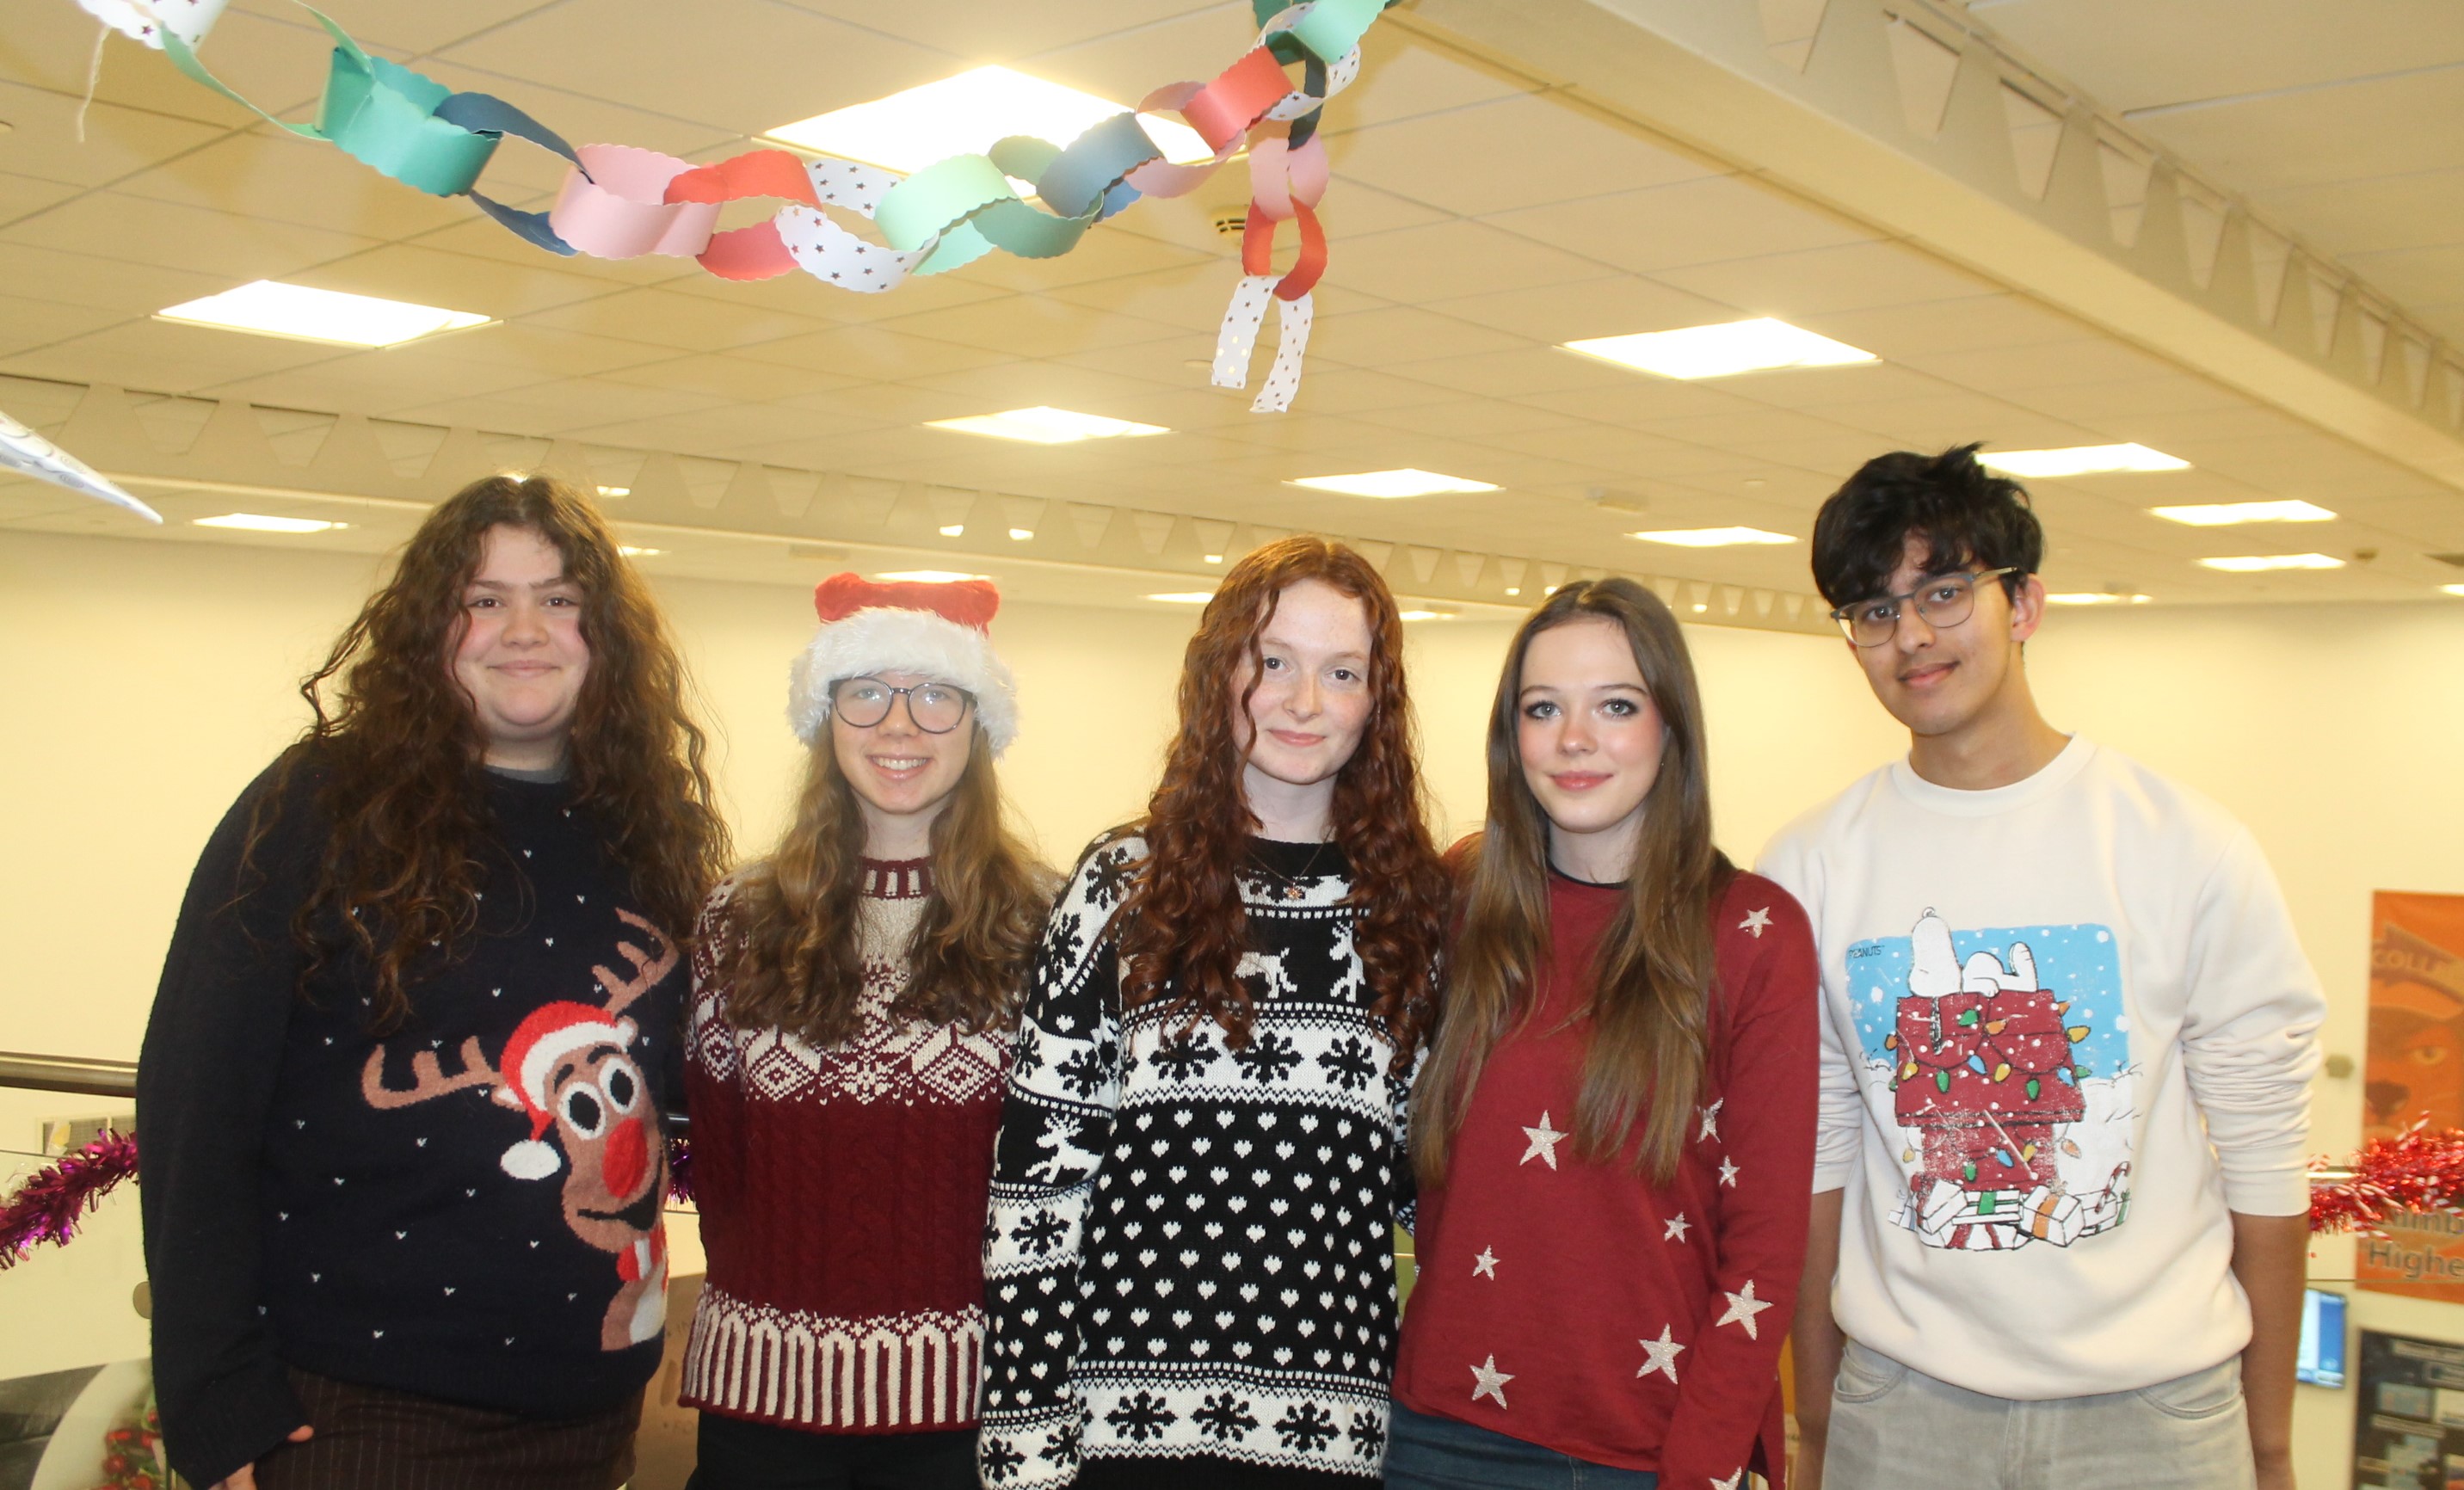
x: 1477, y: 219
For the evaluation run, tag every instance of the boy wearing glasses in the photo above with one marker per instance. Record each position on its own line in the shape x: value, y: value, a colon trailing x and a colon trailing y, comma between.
x: 2060, y: 1218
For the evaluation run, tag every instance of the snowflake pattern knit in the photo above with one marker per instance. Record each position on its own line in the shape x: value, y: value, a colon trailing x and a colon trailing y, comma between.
x: 842, y: 1194
x: 1190, y: 1251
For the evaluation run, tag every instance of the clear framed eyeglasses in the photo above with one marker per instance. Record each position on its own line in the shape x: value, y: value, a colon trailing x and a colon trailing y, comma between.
x: 937, y: 707
x: 1942, y: 601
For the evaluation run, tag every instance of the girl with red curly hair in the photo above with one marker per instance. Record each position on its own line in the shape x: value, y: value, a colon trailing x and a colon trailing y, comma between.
x: 1189, y: 1264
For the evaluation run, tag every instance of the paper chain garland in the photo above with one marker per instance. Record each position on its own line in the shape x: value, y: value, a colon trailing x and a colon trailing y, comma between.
x: 26, y: 451
x: 618, y: 202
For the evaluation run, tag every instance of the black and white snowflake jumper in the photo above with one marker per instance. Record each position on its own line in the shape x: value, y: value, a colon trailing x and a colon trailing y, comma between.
x: 1191, y: 1249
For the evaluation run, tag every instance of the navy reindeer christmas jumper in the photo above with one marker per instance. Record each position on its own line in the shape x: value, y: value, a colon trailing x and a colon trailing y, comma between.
x: 1190, y: 1254
x: 466, y: 1206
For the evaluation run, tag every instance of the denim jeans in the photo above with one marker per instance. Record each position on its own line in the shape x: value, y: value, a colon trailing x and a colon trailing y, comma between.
x: 1424, y: 1452
x: 1895, y: 1428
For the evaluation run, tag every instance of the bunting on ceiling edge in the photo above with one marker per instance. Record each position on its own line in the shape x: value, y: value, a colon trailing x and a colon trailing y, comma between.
x: 25, y: 451
x: 619, y: 201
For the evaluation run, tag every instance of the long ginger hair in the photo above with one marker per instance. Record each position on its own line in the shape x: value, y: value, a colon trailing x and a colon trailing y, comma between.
x: 1653, y: 980
x: 791, y: 956
x: 398, y: 752
x: 1182, y: 926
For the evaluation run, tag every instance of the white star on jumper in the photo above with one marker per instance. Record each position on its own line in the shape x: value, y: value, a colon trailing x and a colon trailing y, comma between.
x: 1544, y: 1142
x: 1487, y: 1381
x: 1729, y: 1483
x: 1728, y: 1172
x: 1484, y: 1264
x: 1678, y: 1226
x: 1756, y: 922
x: 1660, y: 1354
x: 1711, y: 1119
x: 1742, y: 1309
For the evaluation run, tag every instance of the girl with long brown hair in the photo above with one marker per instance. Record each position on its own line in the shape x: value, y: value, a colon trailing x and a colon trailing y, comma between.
x: 854, y: 995
x: 1190, y: 1262
x: 401, y: 1089
x: 1614, y: 1127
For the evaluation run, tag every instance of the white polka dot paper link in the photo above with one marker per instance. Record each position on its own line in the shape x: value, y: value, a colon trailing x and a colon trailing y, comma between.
x: 830, y: 254
x: 142, y: 20
x: 27, y: 451
x: 1238, y: 340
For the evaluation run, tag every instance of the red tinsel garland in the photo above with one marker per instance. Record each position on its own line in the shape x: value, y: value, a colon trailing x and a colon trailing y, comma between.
x: 2414, y: 1170
x: 47, y: 1206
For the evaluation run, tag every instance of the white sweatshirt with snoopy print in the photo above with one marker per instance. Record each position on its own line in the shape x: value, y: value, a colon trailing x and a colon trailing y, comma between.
x: 2067, y: 1029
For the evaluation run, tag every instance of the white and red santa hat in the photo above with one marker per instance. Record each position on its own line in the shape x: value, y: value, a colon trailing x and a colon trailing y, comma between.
x: 941, y: 631
x: 538, y: 1044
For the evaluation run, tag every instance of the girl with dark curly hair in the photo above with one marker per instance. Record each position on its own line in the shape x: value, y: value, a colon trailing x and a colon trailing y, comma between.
x: 401, y: 1089
x: 1190, y: 1262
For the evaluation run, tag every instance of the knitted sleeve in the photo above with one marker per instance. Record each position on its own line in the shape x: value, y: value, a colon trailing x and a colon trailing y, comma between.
x: 1065, y: 1084
x: 713, y: 1082
x: 1761, y: 1124
x: 206, y: 1082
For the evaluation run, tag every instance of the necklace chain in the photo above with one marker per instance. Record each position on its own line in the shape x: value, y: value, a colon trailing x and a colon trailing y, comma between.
x: 1291, y: 882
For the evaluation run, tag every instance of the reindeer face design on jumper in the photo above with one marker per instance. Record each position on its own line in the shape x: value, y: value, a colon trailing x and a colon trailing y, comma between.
x: 570, y: 1068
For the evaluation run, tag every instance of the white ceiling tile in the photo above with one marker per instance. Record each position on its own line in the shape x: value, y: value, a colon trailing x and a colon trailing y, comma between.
x: 1403, y: 76
x: 2271, y: 141
x: 1632, y: 398
x: 1015, y: 33
x: 737, y: 379
x: 2135, y: 55
x: 1467, y: 419
x: 1448, y: 259
x: 1852, y: 276
x: 1104, y: 254
x: 687, y: 322
x: 1532, y: 371
x: 1520, y: 151
x: 2430, y: 275
x: 2091, y: 403
x: 871, y: 353
x: 266, y: 174
x: 380, y: 385
x: 1197, y: 221
x: 1561, y: 312
x: 42, y: 140
x: 1029, y: 325
x: 21, y: 196
x: 49, y: 47
x: 1352, y: 390
x: 2053, y: 364
x: 482, y: 286
x: 598, y: 406
x: 25, y: 325
x: 2413, y: 210
x: 162, y: 357
x: 1966, y: 325
x: 1397, y: 334
x: 74, y: 278
x: 546, y: 354
x: 1692, y: 222
x: 136, y: 230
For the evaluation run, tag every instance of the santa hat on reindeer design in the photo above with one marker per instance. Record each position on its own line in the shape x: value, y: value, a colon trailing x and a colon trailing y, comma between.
x: 552, y: 1032
x: 938, y: 630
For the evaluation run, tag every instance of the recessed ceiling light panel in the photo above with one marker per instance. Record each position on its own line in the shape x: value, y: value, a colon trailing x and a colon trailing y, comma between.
x: 2450, y: 589
x: 2080, y: 460
x: 1711, y: 537
x: 1184, y: 597
x: 260, y: 522
x: 966, y: 114
x: 1047, y: 426
x: 1722, y: 351
x: 2226, y: 515
x: 1388, y: 484
x: 2261, y: 563
x: 303, y: 315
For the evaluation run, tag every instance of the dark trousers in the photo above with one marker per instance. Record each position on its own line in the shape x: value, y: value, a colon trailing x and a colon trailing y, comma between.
x: 735, y: 1455
x: 371, y: 1438
x: 1204, y: 1472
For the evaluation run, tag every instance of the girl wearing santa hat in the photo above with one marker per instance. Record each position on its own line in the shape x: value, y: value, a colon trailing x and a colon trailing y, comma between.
x: 1190, y: 1261
x: 402, y: 1084
x: 853, y: 998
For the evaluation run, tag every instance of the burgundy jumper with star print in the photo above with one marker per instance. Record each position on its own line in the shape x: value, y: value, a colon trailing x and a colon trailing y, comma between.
x: 1579, y: 1306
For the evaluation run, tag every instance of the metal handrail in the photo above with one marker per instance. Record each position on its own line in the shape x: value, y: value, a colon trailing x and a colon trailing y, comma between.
x: 79, y: 1074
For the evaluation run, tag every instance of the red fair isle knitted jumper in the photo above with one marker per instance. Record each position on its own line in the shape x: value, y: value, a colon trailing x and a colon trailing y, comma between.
x: 843, y: 1194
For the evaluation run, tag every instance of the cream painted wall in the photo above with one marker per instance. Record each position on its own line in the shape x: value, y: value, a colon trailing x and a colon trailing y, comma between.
x: 148, y: 681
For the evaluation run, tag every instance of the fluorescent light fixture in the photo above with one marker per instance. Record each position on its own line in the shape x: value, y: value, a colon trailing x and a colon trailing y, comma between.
x: 1020, y: 534
x: 1184, y: 597
x: 630, y: 552
x: 1711, y: 537
x: 2080, y: 460
x: 2450, y: 589
x: 2225, y: 515
x: 967, y: 113
x: 615, y: 490
x: 1740, y: 346
x: 928, y: 576
x: 1701, y: 607
x: 1215, y: 559
x: 1424, y: 614
x: 1044, y: 426
x: 952, y: 530
x: 2096, y: 597
x: 1514, y: 589
x: 258, y: 523
x: 327, y: 315
x: 2258, y: 563
x: 1406, y: 482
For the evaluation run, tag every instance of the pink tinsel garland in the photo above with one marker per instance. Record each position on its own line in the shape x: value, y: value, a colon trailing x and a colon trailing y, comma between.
x: 2414, y: 1170
x: 47, y: 1206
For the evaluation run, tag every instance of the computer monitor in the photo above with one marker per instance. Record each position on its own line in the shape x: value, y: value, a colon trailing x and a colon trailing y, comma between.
x: 2322, y: 1359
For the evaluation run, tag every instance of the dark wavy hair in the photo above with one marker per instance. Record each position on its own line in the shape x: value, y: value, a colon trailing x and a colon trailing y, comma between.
x: 1182, y: 926
x: 397, y: 754
x: 1653, y: 976
x: 1966, y: 516
x: 793, y: 955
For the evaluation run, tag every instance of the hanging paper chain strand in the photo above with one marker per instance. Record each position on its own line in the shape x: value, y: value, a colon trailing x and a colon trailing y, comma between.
x: 619, y: 201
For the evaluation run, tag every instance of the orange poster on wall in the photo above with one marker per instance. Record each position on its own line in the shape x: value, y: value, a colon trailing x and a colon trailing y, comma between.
x: 2417, y: 1072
